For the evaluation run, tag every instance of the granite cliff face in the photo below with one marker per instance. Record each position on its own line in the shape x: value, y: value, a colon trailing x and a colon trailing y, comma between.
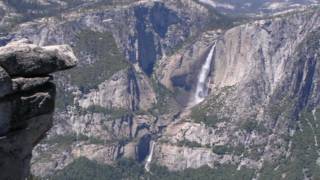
x: 27, y: 101
x: 261, y: 7
x: 264, y: 75
x: 110, y: 101
x: 139, y: 65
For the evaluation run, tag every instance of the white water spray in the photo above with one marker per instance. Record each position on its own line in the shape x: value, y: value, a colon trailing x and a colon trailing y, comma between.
x: 201, y: 90
x: 149, y: 158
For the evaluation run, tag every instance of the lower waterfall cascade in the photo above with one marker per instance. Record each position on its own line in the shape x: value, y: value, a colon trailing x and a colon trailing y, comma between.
x: 149, y: 158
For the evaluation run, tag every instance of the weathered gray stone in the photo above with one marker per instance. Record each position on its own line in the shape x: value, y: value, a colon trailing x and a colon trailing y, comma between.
x: 16, y: 148
x: 31, y: 105
x: 5, y: 117
x: 28, y: 60
x: 5, y: 83
x: 26, y: 84
x: 27, y: 99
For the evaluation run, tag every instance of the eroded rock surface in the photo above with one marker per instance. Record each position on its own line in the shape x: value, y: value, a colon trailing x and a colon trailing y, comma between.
x: 264, y: 75
x: 26, y: 104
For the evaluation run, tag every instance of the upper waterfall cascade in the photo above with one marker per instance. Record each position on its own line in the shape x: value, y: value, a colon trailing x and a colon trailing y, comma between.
x: 201, y: 89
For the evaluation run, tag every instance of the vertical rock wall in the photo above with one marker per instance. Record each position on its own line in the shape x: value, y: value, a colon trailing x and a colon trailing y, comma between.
x: 27, y: 98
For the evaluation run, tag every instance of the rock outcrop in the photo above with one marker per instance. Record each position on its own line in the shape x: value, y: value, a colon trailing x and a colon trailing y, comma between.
x: 27, y: 98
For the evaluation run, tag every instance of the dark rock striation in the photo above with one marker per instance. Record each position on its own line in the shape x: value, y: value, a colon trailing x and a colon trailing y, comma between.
x: 27, y: 98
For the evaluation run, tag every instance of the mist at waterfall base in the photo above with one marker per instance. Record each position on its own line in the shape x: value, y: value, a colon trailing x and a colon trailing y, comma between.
x: 201, y: 89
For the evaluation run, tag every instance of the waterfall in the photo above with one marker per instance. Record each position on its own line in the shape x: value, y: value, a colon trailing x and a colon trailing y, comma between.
x: 201, y: 90
x: 149, y: 158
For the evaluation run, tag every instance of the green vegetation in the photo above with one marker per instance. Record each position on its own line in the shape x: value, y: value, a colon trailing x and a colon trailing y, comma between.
x: 281, y: 108
x: 209, y: 112
x: 308, y: 50
x: 165, y: 100
x: 63, y: 98
x: 206, y: 113
x: 32, y: 177
x: 201, y: 115
x: 252, y: 152
x: 114, y: 113
x: 108, y: 59
x: 218, y: 20
x: 84, y: 169
x: 187, y: 143
x: 250, y: 125
x: 94, y: 140
x: 221, y: 150
x: 221, y: 172
x: 183, y: 44
x: 304, y: 160
x: 10, y: 24
x: 63, y: 141
x: 32, y: 10
x: 225, y: 149
x: 221, y: 21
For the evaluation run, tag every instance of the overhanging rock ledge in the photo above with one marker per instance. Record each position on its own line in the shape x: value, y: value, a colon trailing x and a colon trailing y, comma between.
x: 27, y: 97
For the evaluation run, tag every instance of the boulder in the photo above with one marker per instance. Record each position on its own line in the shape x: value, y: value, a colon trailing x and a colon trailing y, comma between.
x: 21, y: 59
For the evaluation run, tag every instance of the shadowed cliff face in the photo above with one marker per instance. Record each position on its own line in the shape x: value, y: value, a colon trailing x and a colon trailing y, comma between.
x: 27, y: 98
x: 161, y: 18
